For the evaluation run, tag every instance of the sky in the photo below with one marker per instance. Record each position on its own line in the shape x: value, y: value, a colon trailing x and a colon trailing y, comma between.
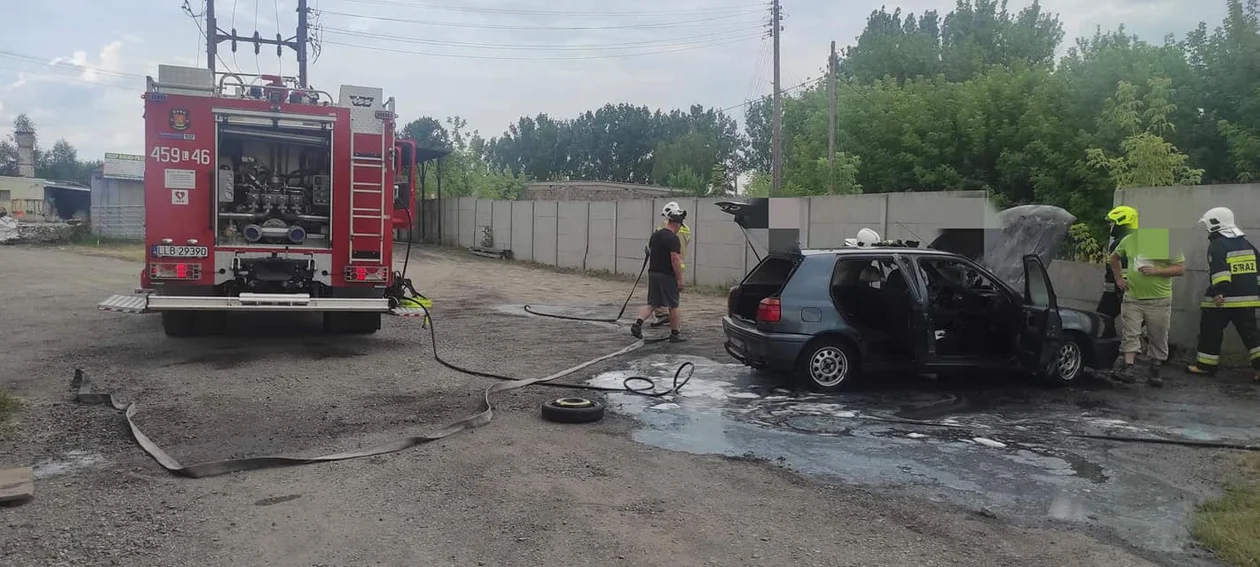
x: 77, y: 68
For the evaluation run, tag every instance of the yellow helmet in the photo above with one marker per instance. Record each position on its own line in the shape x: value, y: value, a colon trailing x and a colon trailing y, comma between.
x: 1123, y: 216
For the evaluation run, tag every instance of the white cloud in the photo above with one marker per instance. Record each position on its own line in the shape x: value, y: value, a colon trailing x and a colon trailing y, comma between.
x: 85, y: 99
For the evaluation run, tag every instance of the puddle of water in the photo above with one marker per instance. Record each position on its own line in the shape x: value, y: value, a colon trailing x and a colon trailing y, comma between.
x: 69, y: 462
x: 727, y: 410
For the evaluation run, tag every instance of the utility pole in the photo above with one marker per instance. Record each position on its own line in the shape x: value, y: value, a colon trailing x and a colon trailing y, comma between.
x: 212, y: 36
x: 297, y: 43
x: 831, y: 119
x: 303, y: 39
x: 776, y: 149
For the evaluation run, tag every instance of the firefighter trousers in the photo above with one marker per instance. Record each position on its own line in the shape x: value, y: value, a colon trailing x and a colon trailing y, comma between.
x: 1109, y: 304
x: 1212, y: 323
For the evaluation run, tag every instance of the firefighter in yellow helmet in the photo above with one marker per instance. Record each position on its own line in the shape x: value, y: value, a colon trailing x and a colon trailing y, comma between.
x: 1122, y: 220
x: 1232, y: 296
x: 672, y: 208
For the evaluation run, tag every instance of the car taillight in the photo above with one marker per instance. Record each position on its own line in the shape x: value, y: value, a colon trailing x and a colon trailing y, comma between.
x: 366, y: 273
x: 730, y: 300
x: 174, y: 271
x: 769, y: 310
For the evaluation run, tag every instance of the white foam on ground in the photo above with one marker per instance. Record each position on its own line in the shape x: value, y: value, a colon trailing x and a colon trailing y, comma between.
x: 989, y: 442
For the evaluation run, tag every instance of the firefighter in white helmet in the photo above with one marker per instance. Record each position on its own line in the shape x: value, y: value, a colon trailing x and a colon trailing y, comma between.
x: 672, y: 208
x: 1232, y: 294
x: 665, y: 275
x: 865, y: 239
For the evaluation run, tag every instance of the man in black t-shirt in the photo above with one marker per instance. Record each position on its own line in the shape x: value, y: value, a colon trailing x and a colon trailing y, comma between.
x: 664, y: 274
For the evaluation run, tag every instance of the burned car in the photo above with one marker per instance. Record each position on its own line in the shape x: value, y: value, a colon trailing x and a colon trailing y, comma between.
x: 977, y: 299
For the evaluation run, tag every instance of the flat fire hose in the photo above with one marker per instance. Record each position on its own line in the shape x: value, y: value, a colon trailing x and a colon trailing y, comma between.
x: 85, y: 394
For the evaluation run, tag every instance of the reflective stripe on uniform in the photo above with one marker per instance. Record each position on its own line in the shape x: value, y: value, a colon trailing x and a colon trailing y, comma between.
x: 1236, y: 253
x: 1220, y: 277
x: 1253, y: 353
x: 1109, y: 287
x: 1240, y: 301
x: 1207, y: 359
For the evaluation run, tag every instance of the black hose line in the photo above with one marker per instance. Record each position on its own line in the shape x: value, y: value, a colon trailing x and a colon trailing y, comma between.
x: 649, y: 390
x: 529, y: 308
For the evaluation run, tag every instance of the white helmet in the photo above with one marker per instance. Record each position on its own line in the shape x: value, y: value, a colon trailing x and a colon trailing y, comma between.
x: 866, y: 238
x: 1219, y: 219
x: 673, y: 211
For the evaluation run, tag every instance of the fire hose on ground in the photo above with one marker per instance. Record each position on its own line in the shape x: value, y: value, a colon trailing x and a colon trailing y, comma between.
x: 84, y: 393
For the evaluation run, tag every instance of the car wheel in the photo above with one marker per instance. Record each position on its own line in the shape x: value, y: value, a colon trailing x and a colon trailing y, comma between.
x: 828, y: 365
x: 573, y: 410
x: 1069, y: 362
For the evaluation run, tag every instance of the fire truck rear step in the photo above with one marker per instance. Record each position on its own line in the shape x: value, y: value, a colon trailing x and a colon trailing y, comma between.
x: 139, y: 304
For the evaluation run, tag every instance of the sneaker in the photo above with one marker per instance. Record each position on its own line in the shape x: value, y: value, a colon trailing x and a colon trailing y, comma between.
x: 676, y: 337
x: 636, y: 330
x: 1126, y: 374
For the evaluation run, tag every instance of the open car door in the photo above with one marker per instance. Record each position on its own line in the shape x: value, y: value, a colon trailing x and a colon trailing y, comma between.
x: 921, y: 328
x: 1043, y: 328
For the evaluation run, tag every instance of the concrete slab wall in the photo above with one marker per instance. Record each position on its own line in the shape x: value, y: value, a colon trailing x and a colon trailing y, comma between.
x: 501, y: 223
x: 611, y: 235
x: 573, y: 239
x: 545, y: 233
x: 635, y: 221
x: 523, y: 230
x: 467, y: 222
x: 1077, y: 284
x: 602, y: 252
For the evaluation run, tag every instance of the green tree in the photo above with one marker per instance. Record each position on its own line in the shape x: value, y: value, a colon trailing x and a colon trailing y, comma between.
x: 1146, y: 159
x: 686, y: 178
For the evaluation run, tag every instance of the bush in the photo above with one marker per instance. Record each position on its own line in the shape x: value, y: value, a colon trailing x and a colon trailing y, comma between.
x: 1082, y: 246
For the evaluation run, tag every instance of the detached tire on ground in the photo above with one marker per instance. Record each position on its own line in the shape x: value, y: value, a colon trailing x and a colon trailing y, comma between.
x: 573, y: 410
x: 827, y: 364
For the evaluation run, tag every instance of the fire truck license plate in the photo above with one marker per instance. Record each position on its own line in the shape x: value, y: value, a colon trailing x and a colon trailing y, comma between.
x: 181, y: 251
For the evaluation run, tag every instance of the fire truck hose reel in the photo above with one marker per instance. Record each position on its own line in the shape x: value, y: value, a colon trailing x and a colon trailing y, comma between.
x: 84, y: 393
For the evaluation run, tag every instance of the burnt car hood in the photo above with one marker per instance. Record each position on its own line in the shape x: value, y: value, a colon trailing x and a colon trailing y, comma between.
x: 1019, y: 231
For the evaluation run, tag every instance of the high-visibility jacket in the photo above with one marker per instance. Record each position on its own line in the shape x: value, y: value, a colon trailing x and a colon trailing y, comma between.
x: 1232, y: 273
x: 1109, y: 279
x: 684, y: 236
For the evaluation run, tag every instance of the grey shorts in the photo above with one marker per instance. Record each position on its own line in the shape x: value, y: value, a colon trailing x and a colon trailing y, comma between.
x: 662, y: 290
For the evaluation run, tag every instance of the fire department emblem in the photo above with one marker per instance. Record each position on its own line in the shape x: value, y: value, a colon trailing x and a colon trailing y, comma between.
x: 179, y: 119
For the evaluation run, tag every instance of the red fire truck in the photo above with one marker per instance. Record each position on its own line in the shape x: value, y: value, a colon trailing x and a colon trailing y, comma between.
x: 264, y: 195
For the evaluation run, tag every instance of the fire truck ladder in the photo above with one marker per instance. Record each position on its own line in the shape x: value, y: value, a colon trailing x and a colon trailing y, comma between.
x: 371, y: 193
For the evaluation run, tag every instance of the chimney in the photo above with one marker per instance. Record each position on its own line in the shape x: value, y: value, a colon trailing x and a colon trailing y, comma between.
x: 26, y: 153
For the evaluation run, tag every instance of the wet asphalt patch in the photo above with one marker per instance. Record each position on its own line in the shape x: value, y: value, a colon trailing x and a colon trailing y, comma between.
x: 1004, y: 450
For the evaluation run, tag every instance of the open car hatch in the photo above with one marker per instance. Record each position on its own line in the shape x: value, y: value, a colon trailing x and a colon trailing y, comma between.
x: 1039, y: 230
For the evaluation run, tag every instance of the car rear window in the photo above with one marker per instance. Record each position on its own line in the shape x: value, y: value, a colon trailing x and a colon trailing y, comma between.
x: 771, y: 271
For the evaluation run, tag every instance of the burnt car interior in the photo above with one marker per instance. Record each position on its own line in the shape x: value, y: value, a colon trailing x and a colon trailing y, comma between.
x: 971, y: 314
x: 872, y: 293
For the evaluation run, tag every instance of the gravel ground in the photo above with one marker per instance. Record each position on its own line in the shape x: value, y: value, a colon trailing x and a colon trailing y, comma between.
x: 519, y: 491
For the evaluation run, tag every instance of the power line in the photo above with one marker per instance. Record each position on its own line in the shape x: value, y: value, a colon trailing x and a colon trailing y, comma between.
x: 748, y: 8
x: 62, y: 65
x: 763, y: 97
x: 64, y: 79
x: 669, y: 42
x: 608, y: 56
x: 699, y: 22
